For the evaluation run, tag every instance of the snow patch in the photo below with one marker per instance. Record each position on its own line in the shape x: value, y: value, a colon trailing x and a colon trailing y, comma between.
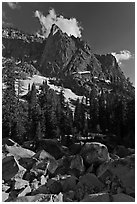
x: 38, y: 80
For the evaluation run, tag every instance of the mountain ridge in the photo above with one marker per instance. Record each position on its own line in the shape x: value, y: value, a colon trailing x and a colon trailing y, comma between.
x: 65, y: 57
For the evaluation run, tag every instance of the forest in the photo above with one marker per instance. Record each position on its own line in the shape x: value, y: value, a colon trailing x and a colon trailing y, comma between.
x: 43, y: 113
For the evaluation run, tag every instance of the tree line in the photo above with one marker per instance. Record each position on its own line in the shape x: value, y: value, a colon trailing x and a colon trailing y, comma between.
x: 48, y: 115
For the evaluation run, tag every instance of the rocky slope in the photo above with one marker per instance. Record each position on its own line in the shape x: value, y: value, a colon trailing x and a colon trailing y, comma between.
x: 91, y: 175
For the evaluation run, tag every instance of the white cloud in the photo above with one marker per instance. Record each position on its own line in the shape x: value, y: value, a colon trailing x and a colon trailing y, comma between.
x: 122, y: 55
x: 13, y: 5
x: 69, y: 26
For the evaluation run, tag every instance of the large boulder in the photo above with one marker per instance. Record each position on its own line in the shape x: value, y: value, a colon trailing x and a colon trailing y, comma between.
x: 77, y: 163
x: 41, y: 190
x: 35, y: 198
x: 25, y: 191
x: 121, y: 197
x: 93, y: 152
x: 69, y: 183
x: 9, y: 168
x: 99, y: 197
x: 122, y: 151
x: 88, y: 184
x: 75, y: 148
x: 63, y: 165
x: 4, y: 196
x: 91, y: 181
x: 69, y: 196
x: 45, y: 162
x: 51, y: 146
x: 54, y: 186
x: 20, y: 183
x: 27, y: 163
x: 19, y: 152
x: 120, y: 171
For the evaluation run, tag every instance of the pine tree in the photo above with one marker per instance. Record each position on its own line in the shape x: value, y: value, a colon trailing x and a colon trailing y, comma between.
x: 79, y: 116
x: 14, y: 111
x: 94, y: 109
x: 9, y: 103
x: 34, y: 113
x: 103, y: 112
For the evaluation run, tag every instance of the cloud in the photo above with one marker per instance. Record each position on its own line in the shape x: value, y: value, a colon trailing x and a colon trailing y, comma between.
x: 69, y: 26
x: 13, y: 5
x: 122, y: 55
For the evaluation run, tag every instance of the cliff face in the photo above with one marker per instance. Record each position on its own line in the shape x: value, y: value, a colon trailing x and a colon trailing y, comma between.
x: 110, y: 67
x: 67, y: 58
x: 66, y: 54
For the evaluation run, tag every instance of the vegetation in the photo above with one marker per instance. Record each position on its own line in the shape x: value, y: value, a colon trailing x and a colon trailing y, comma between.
x: 48, y: 115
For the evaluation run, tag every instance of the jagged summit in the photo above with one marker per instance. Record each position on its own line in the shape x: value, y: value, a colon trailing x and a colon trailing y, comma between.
x: 54, y: 29
x: 66, y: 57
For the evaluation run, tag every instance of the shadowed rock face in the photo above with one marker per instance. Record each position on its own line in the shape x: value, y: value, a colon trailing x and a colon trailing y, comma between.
x: 9, y: 168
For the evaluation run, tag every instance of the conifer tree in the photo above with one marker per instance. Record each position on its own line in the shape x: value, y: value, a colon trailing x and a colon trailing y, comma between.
x: 9, y: 103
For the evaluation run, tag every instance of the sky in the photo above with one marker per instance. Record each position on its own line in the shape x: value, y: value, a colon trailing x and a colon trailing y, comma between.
x: 108, y: 27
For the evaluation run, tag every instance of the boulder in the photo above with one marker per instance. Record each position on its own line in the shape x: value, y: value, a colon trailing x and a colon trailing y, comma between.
x: 88, y: 184
x: 34, y: 184
x: 51, y: 146
x: 5, y: 187
x: 42, y: 155
x: 63, y: 165
x: 27, y: 163
x: 91, y: 181
x: 122, y: 151
x: 99, y: 197
x: 121, y: 197
x: 9, y: 168
x: 4, y: 196
x: 77, y: 163
x: 43, y: 179
x: 69, y: 183
x: 9, y: 142
x: 93, y: 152
x: 20, y: 183
x: 80, y: 191
x: 29, y: 176
x: 90, y: 169
x: 45, y: 161
x: 54, y: 186
x: 101, y: 170
x: 69, y: 196
x: 121, y: 171
x: 19, y: 152
x: 35, y: 198
x: 25, y: 191
x: 75, y: 148
x: 124, y: 169
x: 41, y: 190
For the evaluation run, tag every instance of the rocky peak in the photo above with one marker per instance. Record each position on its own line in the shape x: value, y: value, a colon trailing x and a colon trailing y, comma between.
x: 58, y: 51
x: 54, y: 29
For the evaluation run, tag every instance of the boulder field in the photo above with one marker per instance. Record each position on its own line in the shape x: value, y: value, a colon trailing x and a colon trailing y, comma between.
x: 90, y: 174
